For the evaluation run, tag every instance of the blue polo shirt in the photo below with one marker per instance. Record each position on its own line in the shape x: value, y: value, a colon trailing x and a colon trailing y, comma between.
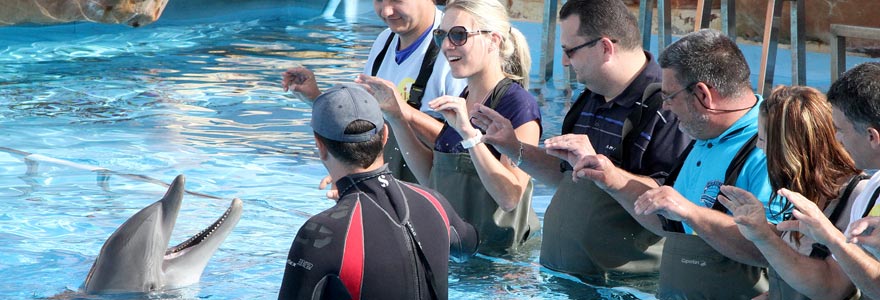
x: 704, y: 168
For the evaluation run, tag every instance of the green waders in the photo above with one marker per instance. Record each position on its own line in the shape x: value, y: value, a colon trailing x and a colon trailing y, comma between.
x: 587, y: 233
x: 394, y: 159
x: 691, y: 269
x: 455, y: 176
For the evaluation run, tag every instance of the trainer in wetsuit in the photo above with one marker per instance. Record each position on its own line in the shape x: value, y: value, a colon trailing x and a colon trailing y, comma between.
x: 384, y: 238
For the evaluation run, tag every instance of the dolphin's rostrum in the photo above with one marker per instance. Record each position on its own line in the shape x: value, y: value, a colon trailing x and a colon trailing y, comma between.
x: 135, y: 258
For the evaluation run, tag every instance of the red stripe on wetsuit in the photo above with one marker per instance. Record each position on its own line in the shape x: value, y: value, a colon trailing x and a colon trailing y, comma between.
x: 436, y: 204
x: 352, y: 271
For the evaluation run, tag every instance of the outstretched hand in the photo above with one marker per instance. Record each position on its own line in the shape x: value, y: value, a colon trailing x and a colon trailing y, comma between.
x: 384, y: 91
x: 866, y: 233
x: 454, y: 110
x: 570, y: 147
x: 664, y: 201
x: 748, y: 213
x: 809, y: 220
x: 499, y: 130
x: 301, y: 80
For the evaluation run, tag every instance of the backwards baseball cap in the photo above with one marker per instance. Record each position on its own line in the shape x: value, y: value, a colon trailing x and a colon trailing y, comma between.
x: 342, y: 104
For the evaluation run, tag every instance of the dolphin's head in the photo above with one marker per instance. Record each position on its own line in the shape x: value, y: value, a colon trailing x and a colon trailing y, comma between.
x: 135, y: 258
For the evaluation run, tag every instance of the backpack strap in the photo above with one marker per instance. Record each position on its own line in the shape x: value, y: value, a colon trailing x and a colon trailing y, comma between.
x: 351, y: 273
x: 730, y: 178
x: 417, y: 90
x: 381, y: 56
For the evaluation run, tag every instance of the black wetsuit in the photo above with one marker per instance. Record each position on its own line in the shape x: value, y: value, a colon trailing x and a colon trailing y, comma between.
x: 362, y: 248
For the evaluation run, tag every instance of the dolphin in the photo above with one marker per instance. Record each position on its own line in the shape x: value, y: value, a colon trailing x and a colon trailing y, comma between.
x: 135, y: 258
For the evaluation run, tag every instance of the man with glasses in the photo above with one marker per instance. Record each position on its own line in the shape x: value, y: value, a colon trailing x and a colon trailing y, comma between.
x: 706, y: 85
x: 586, y: 233
x: 404, y: 55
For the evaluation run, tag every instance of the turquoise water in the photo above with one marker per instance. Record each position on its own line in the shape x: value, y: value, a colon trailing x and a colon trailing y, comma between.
x: 198, y: 96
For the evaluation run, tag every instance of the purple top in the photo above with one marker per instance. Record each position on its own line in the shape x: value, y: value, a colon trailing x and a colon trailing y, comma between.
x: 517, y: 105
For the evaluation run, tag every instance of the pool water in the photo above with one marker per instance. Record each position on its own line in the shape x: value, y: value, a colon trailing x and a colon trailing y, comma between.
x: 195, y: 94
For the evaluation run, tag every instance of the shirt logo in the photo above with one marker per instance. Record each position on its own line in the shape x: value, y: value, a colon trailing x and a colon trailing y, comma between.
x: 710, y: 193
x: 382, y: 181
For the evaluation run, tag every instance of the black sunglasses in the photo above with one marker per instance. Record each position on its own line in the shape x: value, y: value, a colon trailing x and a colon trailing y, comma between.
x: 458, y: 35
x: 570, y: 51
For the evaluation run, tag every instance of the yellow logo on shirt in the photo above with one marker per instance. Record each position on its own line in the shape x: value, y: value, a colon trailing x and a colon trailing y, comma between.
x: 404, y: 87
x: 875, y: 211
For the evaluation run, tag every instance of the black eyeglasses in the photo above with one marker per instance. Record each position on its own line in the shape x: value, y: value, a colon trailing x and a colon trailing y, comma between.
x: 666, y: 97
x: 570, y: 51
x: 458, y: 35
x: 689, y: 87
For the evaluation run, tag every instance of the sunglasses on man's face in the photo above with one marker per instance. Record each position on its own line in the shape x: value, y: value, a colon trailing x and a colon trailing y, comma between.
x: 457, y: 35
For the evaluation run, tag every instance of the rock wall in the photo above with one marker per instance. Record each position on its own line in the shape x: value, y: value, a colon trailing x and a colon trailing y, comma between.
x: 750, y: 18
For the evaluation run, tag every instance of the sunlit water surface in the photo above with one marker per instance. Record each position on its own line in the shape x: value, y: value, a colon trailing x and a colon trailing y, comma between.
x: 199, y: 97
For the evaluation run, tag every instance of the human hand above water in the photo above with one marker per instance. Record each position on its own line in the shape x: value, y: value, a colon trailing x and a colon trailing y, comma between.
x: 301, y: 80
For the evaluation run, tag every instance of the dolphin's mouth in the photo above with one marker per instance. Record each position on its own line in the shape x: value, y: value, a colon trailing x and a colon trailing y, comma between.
x: 198, y: 238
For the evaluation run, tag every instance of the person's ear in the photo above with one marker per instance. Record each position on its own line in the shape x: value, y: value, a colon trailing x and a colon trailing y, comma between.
x: 608, y: 47
x: 704, y: 94
x: 496, y: 41
x: 873, y: 137
x: 322, y: 149
x: 385, y: 133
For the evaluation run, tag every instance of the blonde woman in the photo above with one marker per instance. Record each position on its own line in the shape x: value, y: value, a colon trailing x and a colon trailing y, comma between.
x: 485, y: 187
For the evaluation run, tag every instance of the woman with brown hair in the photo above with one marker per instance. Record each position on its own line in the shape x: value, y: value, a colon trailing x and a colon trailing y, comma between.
x: 796, y: 132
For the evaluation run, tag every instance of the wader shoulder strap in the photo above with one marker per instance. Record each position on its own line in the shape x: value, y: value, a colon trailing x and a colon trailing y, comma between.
x: 499, y: 91
x: 574, y: 112
x: 636, y: 123
x: 730, y: 178
x: 675, y: 226
x: 871, y: 203
x: 417, y: 91
x: 821, y: 251
x: 844, y: 198
x: 379, y: 58
x: 568, y: 124
x: 735, y: 167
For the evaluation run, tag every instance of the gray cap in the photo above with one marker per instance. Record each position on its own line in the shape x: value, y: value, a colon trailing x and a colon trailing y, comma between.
x: 342, y: 104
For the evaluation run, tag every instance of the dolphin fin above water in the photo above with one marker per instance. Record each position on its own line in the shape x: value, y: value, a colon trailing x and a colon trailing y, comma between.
x: 135, y: 258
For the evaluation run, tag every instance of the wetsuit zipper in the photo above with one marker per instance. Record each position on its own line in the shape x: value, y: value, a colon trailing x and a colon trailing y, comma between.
x: 408, y: 234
